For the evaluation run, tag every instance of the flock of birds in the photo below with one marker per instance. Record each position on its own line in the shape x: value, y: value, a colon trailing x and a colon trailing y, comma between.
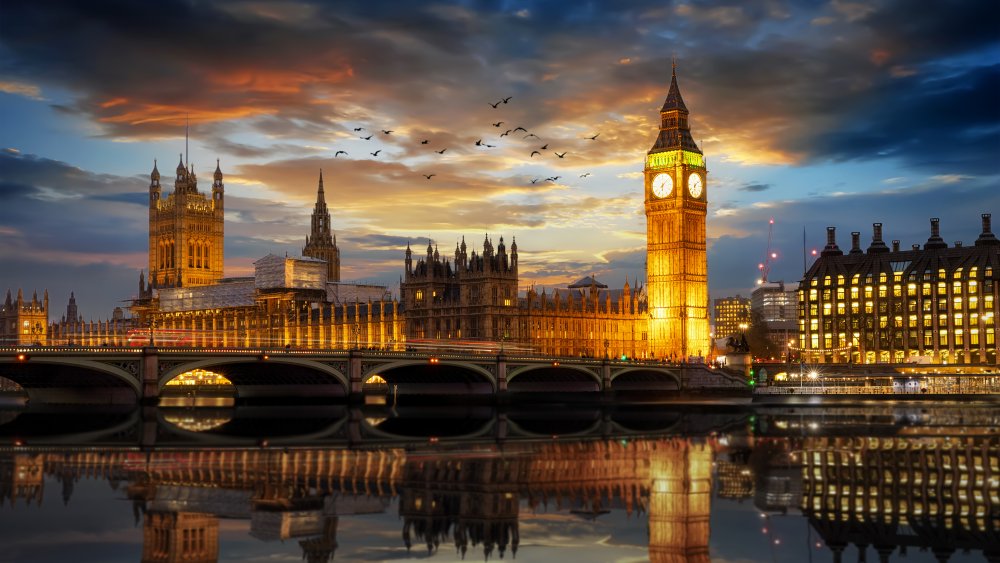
x: 480, y: 142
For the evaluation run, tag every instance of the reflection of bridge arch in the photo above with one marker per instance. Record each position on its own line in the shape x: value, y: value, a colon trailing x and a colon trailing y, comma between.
x: 548, y: 375
x: 219, y: 436
x: 308, y: 372
x: 487, y: 429
x: 385, y: 371
x: 91, y: 437
x: 517, y: 429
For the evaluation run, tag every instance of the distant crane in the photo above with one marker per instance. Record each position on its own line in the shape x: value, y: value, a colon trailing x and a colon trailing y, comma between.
x: 765, y: 266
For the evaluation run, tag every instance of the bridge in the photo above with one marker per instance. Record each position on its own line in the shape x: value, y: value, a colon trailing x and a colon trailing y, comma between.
x: 105, y: 375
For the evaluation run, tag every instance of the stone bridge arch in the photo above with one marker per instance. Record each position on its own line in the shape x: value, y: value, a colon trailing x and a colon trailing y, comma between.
x: 550, y: 383
x: 265, y: 377
x: 57, y: 379
x: 486, y: 374
x: 631, y: 378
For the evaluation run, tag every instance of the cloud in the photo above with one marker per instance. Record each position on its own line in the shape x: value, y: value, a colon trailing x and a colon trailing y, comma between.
x: 755, y: 187
x: 21, y: 89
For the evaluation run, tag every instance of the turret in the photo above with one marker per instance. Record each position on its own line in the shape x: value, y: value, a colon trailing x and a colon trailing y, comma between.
x: 154, y: 185
x: 409, y: 258
x: 218, y: 188
x: 513, y: 254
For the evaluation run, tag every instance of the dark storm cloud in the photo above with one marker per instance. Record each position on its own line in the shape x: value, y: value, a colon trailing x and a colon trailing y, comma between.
x: 949, y: 120
x: 755, y: 187
x: 733, y: 260
x: 779, y: 87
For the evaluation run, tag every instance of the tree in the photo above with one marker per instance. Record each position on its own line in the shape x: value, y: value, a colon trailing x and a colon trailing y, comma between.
x: 758, y: 337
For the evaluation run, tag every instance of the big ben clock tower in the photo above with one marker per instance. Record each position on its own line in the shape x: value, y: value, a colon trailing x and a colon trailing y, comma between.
x: 676, y: 264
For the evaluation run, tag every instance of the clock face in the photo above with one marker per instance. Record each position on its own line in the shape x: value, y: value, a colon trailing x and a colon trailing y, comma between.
x: 694, y: 185
x: 662, y: 184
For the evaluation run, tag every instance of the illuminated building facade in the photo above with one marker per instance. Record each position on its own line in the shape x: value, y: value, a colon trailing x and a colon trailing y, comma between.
x: 289, y: 301
x: 23, y: 321
x: 476, y: 298
x: 730, y: 314
x: 676, y: 261
x: 185, y: 230
x: 936, y: 304
x: 587, y: 319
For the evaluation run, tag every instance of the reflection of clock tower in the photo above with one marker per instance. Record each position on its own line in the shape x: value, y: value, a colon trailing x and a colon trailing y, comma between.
x: 676, y: 264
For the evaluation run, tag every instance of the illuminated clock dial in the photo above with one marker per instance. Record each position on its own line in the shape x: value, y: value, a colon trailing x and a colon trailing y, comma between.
x: 662, y: 184
x: 694, y: 185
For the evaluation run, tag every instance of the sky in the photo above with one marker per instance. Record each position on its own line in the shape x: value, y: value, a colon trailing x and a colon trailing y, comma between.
x: 814, y: 114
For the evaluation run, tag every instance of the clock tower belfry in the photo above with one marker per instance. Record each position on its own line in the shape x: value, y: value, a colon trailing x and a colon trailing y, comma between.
x: 675, y: 179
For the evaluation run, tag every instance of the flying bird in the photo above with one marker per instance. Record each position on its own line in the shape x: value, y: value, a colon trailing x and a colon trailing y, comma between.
x: 368, y: 138
x: 441, y: 151
x: 531, y: 135
x: 553, y: 179
x: 496, y: 104
x: 490, y: 146
x: 533, y: 153
x: 560, y: 155
x: 505, y: 133
x: 535, y: 180
x: 520, y: 129
x: 376, y: 152
x: 498, y: 124
x: 479, y: 143
x: 338, y: 153
x: 594, y: 138
x: 585, y: 175
x: 543, y: 147
x: 386, y: 132
x: 356, y: 129
x: 425, y: 141
x: 428, y: 176
x: 507, y: 99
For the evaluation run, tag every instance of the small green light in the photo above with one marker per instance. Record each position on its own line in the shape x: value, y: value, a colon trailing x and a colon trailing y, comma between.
x: 623, y: 442
x: 753, y: 382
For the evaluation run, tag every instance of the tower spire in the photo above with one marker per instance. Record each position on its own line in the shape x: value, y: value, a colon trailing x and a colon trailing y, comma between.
x: 187, y: 129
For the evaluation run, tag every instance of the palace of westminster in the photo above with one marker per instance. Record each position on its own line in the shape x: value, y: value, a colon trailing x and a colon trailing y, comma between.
x: 935, y: 302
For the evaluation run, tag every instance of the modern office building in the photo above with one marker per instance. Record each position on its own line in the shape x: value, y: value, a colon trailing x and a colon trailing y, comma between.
x: 732, y: 315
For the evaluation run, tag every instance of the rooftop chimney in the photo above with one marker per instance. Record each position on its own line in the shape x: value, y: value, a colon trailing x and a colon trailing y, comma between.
x: 935, y: 241
x: 987, y: 238
x: 895, y: 245
x: 958, y: 244
x: 877, y: 244
x: 856, y: 242
x: 831, y: 248
x: 916, y: 247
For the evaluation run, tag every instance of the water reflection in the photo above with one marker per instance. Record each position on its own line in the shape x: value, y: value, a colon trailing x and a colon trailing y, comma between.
x: 923, y: 492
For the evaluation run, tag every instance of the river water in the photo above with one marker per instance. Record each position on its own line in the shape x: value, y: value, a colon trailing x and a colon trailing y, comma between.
x: 908, y: 482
